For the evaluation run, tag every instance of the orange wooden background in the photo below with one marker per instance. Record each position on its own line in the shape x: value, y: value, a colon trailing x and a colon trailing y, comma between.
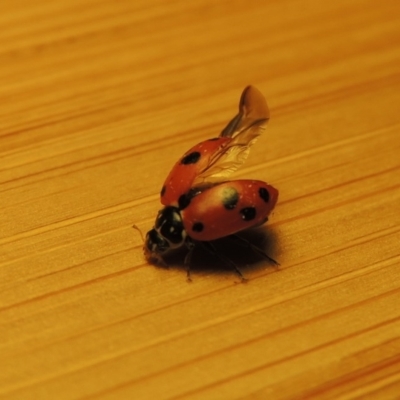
x: 98, y: 100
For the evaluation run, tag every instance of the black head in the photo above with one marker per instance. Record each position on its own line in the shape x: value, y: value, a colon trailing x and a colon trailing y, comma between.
x: 168, y: 233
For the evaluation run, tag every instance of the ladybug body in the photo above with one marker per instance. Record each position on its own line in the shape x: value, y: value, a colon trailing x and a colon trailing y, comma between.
x: 201, y: 205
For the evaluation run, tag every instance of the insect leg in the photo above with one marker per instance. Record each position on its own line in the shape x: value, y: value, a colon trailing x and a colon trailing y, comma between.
x: 254, y: 248
x: 211, y: 248
x: 190, y: 245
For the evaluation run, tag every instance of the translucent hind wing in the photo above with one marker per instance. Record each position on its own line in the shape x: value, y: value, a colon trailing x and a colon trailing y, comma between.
x: 253, y: 109
x: 244, y: 130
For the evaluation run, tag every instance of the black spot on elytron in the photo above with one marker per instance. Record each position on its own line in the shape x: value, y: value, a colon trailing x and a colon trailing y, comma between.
x: 230, y: 198
x: 163, y: 189
x: 197, y: 227
x: 186, y: 198
x: 248, y: 213
x: 213, y: 139
x: 264, y: 194
x: 183, y: 201
x: 191, y: 158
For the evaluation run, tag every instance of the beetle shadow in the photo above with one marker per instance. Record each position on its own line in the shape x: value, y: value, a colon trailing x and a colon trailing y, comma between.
x: 243, y: 257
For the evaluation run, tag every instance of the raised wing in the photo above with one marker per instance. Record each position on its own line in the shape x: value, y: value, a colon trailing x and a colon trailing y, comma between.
x: 244, y: 130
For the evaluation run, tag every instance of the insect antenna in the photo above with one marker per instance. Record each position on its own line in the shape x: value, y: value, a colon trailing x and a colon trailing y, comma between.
x: 140, y: 232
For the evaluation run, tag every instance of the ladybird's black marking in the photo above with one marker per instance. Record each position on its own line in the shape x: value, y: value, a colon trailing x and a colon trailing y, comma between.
x: 183, y: 201
x: 186, y: 198
x: 264, y: 194
x: 191, y: 158
x: 248, y: 213
x: 230, y: 198
x: 197, y: 227
x: 163, y: 189
x: 213, y: 139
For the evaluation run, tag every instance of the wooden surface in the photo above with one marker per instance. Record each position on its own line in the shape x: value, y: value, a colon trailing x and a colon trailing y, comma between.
x: 98, y: 100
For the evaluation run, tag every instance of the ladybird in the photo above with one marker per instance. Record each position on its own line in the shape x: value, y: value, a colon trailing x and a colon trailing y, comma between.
x: 200, y: 204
